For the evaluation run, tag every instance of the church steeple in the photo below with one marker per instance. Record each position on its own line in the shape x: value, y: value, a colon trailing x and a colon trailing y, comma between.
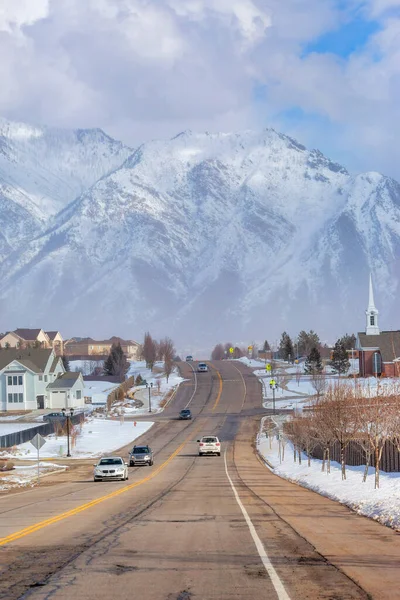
x: 372, y: 313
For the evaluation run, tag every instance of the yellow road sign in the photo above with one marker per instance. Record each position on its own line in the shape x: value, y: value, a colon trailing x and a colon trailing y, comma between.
x: 268, y: 367
x: 250, y: 348
x: 272, y: 382
x: 231, y: 350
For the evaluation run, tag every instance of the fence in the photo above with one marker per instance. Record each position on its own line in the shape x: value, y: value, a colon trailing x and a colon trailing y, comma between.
x: 355, y: 456
x: 115, y: 394
x: 26, y: 435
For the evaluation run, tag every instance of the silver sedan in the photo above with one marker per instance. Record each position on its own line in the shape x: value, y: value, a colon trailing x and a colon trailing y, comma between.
x: 111, y: 467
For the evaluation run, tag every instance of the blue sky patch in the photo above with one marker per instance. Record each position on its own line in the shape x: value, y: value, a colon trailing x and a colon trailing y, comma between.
x: 343, y: 42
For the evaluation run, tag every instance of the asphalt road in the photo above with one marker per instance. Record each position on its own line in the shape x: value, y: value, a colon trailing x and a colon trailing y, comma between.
x: 193, y: 527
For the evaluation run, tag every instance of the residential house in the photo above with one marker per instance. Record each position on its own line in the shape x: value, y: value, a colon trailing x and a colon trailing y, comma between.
x: 88, y: 347
x: 67, y: 391
x: 56, y: 341
x: 378, y: 351
x: 20, y: 338
x: 25, y: 377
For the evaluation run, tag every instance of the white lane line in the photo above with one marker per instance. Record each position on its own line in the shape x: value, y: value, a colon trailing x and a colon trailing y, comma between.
x: 273, y: 575
x: 195, y: 386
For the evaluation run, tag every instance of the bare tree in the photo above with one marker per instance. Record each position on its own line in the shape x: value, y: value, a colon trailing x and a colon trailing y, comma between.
x: 375, y: 417
x: 168, y: 353
x: 319, y: 383
x: 218, y: 352
x: 340, y: 416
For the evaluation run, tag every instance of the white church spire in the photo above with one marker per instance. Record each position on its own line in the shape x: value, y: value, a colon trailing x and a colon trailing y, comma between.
x: 372, y: 313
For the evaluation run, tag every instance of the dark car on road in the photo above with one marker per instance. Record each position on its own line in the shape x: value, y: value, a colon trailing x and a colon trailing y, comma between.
x: 185, y: 414
x: 141, y: 455
x: 54, y: 416
x: 189, y: 358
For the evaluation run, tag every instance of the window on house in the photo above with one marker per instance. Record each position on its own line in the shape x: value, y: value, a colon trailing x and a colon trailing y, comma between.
x: 20, y: 380
x: 20, y: 397
x: 40, y: 377
x: 45, y: 377
x: 15, y: 397
x: 10, y: 397
x: 9, y: 380
x: 372, y: 320
x: 15, y: 380
x: 78, y: 394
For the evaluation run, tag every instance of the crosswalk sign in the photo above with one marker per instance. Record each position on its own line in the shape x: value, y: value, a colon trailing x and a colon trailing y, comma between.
x: 268, y: 367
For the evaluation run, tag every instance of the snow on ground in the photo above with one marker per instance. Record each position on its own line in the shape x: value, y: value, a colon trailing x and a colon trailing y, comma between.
x: 6, y: 428
x: 99, y: 390
x: 25, y: 476
x: 158, y: 392
x: 98, y: 437
x: 251, y: 362
x: 382, y: 504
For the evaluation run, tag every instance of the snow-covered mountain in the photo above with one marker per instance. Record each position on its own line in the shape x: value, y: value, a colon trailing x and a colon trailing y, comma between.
x: 42, y: 170
x: 211, y: 236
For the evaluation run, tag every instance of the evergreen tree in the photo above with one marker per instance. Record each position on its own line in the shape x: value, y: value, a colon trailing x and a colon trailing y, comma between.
x: 65, y: 362
x: 340, y: 361
x: 150, y: 349
x: 348, y: 341
x: 266, y: 347
x: 116, y: 363
x: 286, y: 347
x: 108, y: 367
x: 307, y: 341
x: 313, y: 362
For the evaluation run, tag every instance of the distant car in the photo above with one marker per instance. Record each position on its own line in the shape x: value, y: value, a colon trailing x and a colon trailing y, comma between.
x: 54, y: 416
x: 111, y: 467
x: 202, y: 367
x: 189, y: 358
x: 141, y: 455
x: 185, y: 414
x: 209, y: 444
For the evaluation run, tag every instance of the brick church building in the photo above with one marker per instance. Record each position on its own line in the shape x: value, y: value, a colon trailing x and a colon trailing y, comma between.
x: 379, y: 351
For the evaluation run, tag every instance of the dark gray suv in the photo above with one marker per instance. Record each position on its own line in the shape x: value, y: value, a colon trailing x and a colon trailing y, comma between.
x: 141, y: 455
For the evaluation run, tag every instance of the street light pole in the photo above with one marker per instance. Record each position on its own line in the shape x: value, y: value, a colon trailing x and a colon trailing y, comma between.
x: 273, y: 386
x: 68, y: 415
x: 149, y: 386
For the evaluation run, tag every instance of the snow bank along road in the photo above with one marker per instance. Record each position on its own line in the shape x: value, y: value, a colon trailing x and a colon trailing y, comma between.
x: 193, y: 527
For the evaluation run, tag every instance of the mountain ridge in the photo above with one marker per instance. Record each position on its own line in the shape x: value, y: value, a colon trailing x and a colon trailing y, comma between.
x: 222, y: 229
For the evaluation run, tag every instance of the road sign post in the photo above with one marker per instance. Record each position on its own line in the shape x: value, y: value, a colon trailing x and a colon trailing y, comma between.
x: 231, y: 351
x: 38, y: 441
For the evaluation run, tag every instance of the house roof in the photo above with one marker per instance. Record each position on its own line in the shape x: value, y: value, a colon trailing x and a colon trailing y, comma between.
x: 34, y: 359
x: 52, y: 334
x: 30, y: 335
x: 65, y: 381
x: 388, y: 343
x: 54, y: 363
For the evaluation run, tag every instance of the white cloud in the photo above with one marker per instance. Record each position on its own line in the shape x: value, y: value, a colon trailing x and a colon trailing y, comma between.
x: 143, y: 69
x: 14, y: 14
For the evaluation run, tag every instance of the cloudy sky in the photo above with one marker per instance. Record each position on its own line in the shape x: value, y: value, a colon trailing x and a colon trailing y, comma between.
x: 325, y: 71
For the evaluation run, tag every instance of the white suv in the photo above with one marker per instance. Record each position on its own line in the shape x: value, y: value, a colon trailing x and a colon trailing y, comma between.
x: 209, y: 444
x: 202, y: 367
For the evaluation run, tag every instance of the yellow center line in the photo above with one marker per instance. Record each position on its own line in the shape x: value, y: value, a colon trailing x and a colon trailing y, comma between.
x: 33, y: 528
x: 220, y: 389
